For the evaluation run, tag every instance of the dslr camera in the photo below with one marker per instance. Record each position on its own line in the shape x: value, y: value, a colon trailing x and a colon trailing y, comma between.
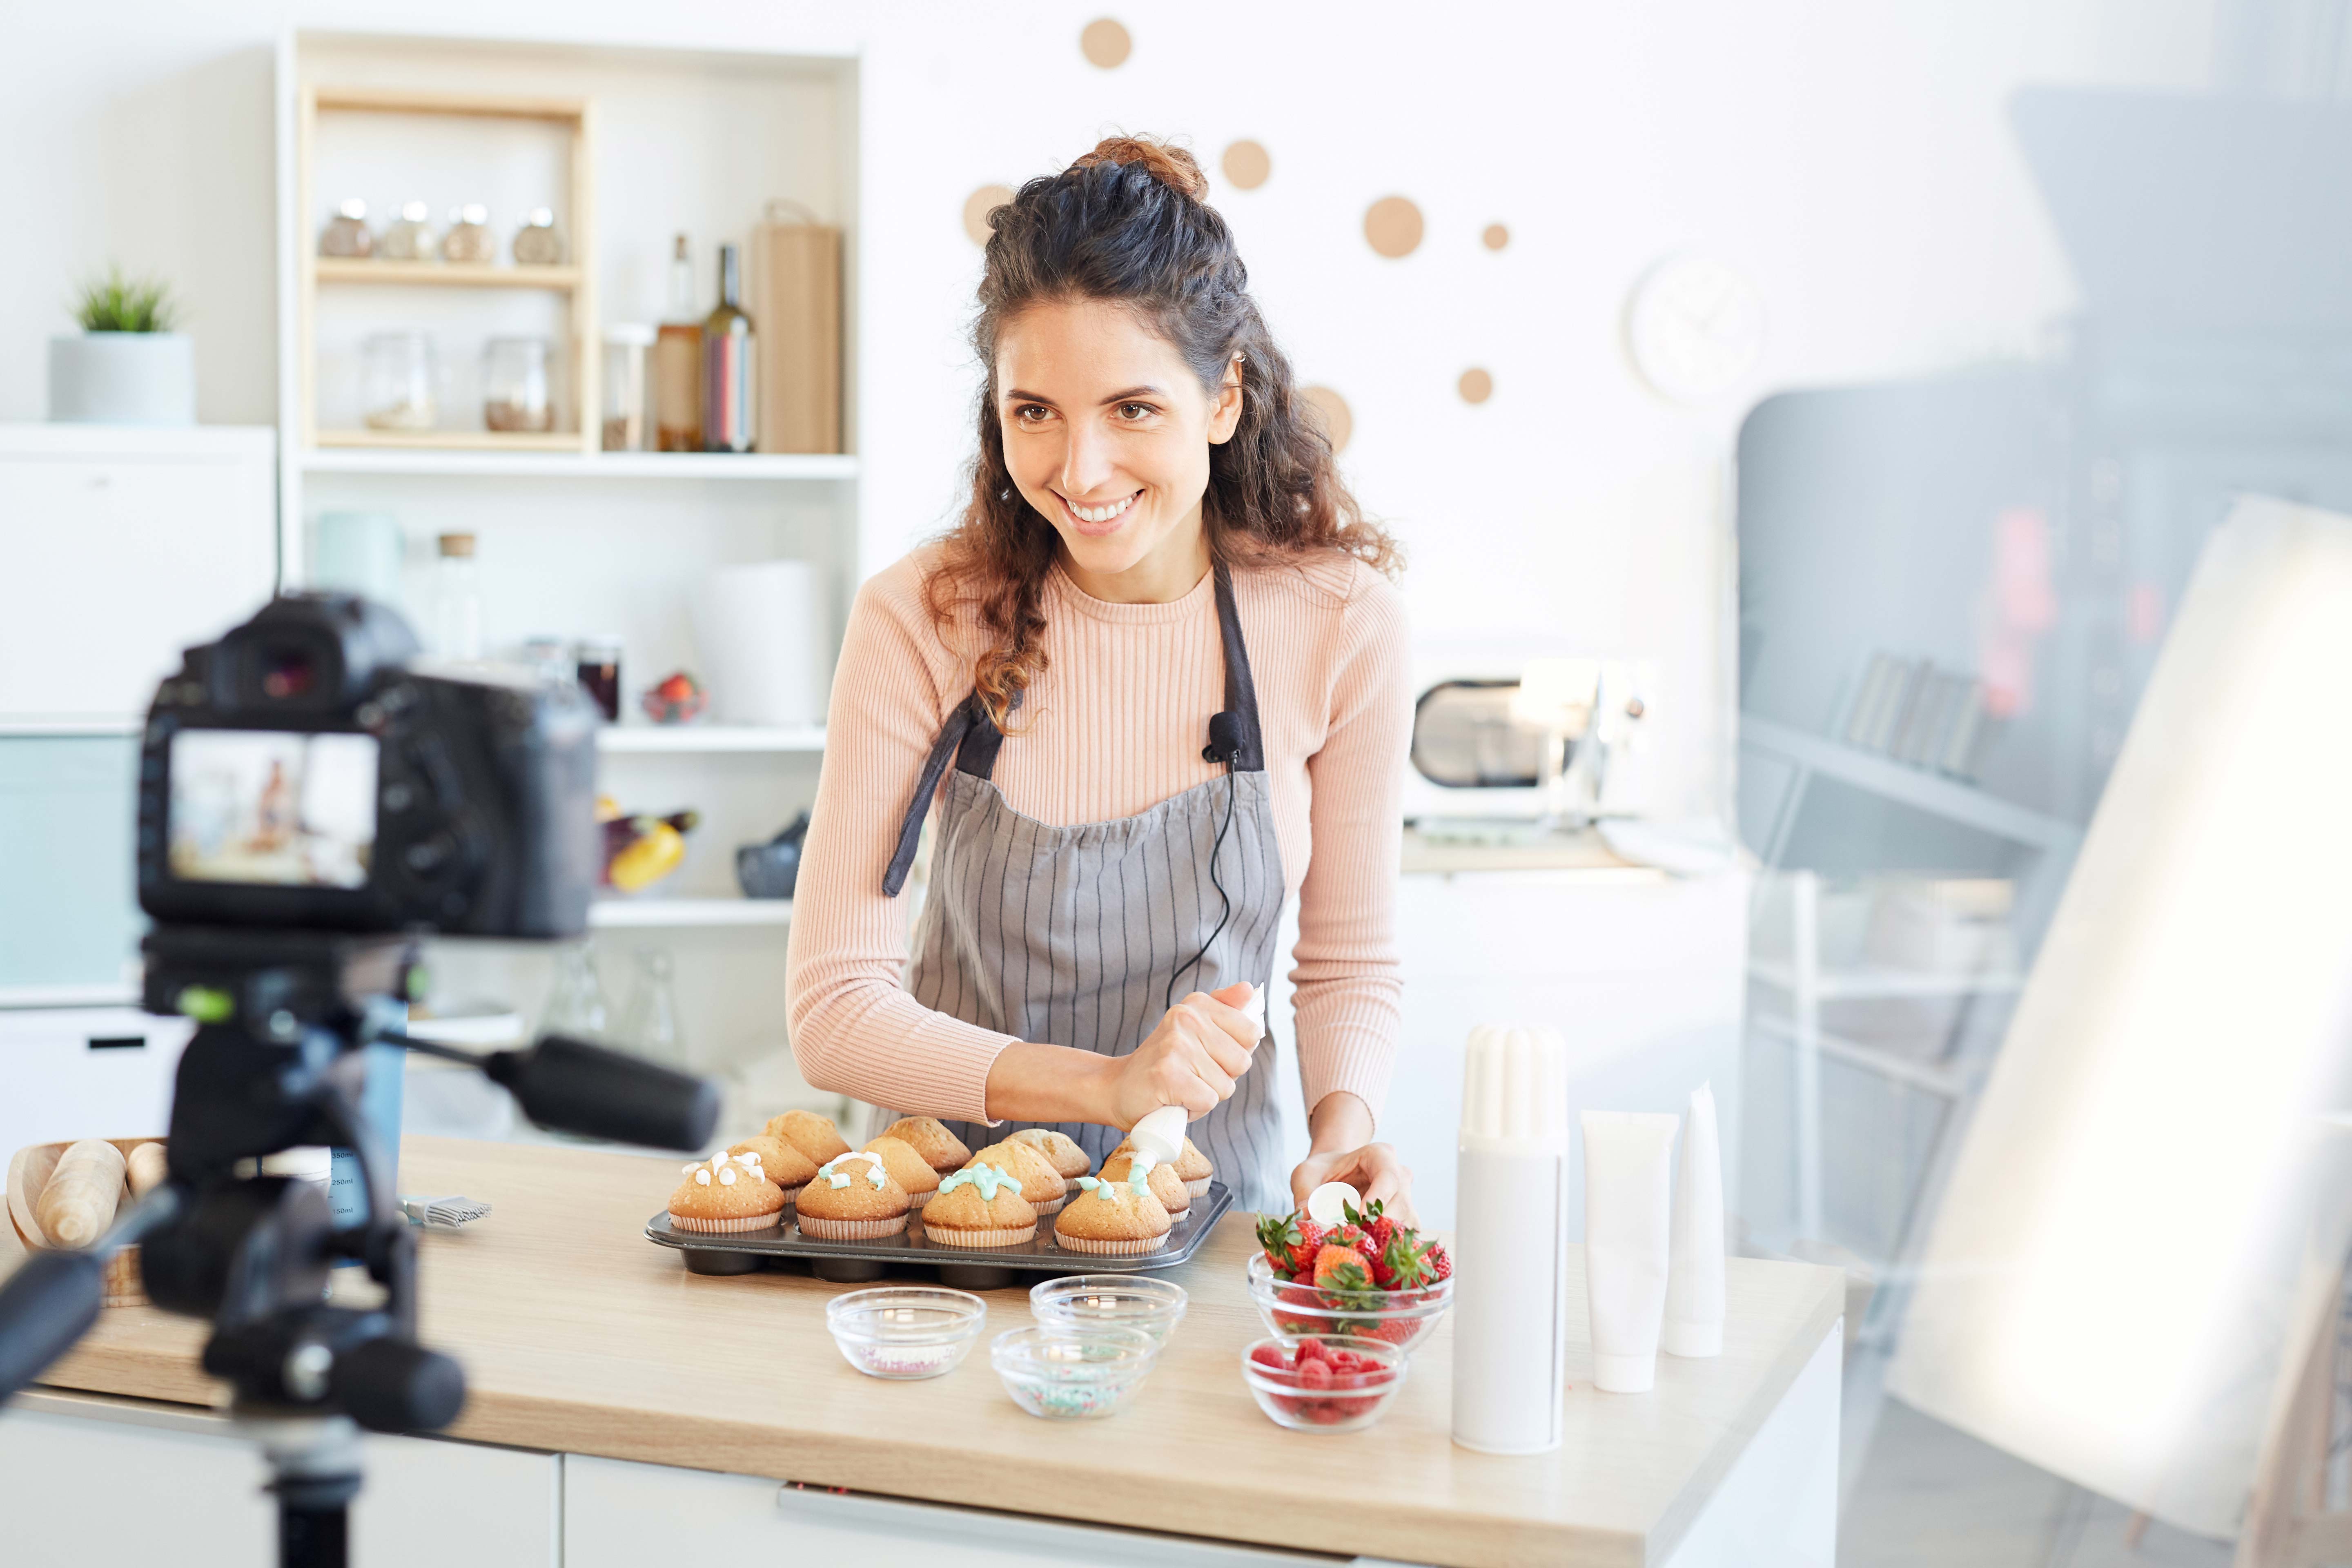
x: 306, y: 771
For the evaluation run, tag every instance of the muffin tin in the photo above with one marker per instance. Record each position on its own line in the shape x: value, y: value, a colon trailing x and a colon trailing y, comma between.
x: 960, y: 1268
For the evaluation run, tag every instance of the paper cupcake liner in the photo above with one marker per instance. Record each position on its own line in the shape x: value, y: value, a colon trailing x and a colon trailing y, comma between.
x: 851, y: 1229
x: 1199, y: 1189
x: 719, y: 1226
x: 1107, y: 1247
x: 793, y: 1195
x: 916, y: 1202
x: 1049, y: 1206
x: 948, y: 1235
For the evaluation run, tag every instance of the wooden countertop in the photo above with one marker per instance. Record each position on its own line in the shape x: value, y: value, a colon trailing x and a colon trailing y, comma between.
x: 578, y: 1335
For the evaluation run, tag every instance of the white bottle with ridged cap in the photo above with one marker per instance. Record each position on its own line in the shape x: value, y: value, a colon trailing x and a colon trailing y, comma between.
x: 1510, y: 1255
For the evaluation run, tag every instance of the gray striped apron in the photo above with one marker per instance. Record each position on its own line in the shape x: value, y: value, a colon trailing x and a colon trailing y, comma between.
x: 1080, y: 935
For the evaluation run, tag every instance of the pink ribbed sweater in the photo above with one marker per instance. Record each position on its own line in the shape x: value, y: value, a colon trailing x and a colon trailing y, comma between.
x: 1114, y: 726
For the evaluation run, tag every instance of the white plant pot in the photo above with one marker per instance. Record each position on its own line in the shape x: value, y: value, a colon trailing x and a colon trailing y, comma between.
x: 122, y: 378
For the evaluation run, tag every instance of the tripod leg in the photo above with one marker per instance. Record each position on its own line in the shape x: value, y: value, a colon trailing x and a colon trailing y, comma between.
x: 311, y: 1537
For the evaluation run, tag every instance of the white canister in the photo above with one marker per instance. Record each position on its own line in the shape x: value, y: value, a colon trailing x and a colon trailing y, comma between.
x: 760, y: 629
x: 1510, y: 1255
x: 122, y: 378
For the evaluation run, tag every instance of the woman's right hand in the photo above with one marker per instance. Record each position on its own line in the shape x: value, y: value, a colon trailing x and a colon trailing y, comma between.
x: 1190, y: 1058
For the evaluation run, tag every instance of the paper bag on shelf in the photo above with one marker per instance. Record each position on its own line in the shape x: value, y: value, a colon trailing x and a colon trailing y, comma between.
x: 795, y: 308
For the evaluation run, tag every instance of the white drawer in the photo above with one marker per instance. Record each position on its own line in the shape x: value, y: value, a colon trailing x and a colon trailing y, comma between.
x: 77, y: 1073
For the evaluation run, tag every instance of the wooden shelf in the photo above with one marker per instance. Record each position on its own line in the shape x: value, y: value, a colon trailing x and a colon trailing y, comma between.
x: 458, y: 440
x: 570, y: 463
x: 445, y: 274
x: 683, y: 738
x: 409, y: 100
x: 624, y: 914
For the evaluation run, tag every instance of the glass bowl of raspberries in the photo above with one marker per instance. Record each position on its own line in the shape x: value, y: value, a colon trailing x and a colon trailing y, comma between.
x: 1317, y: 1382
x: 1367, y: 1280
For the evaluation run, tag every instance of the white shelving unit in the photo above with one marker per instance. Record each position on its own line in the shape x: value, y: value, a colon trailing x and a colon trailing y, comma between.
x: 688, y: 740
x: 645, y: 914
x: 579, y: 544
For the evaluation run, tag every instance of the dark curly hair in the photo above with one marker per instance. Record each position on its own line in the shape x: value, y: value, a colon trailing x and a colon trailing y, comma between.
x: 1127, y: 223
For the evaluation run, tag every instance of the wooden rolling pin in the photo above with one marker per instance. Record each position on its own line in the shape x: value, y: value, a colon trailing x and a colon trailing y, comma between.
x: 79, y: 1203
x: 149, y: 1165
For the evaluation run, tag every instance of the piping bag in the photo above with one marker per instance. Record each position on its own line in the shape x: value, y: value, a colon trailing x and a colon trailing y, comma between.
x: 1160, y: 1135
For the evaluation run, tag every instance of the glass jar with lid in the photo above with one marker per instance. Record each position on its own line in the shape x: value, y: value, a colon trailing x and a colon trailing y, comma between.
x: 410, y: 237
x: 536, y: 243
x: 400, y: 381
x: 346, y: 237
x: 469, y: 238
x: 515, y: 391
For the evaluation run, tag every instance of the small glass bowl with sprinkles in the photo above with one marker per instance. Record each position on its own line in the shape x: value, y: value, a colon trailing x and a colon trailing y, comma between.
x: 1124, y: 1300
x: 904, y: 1332
x: 1069, y: 1375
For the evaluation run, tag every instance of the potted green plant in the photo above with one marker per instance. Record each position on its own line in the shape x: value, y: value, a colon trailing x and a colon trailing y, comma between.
x: 127, y: 367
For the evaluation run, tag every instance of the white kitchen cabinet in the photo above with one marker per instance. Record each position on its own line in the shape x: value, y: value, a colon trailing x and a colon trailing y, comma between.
x: 124, y: 546
x: 85, y: 1479
x: 87, y: 1072
x: 1642, y: 975
x: 617, y: 1514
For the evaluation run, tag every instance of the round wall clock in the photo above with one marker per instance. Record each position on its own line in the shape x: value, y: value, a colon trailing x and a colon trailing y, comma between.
x: 1692, y: 328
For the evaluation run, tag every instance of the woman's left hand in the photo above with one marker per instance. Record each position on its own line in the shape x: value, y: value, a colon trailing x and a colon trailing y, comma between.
x: 1375, y: 1170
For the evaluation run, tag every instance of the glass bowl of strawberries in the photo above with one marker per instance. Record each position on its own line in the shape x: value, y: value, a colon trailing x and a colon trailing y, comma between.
x: 1365, y: 1279
x: 1317, y: 1382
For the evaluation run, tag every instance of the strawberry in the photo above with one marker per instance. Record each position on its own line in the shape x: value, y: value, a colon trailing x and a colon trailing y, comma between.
x: 1403, y: 1266
x: 1350, y: 1236
x: 1290, y: 1242
x: 1374, y: 1223
x: 1433, y: 1256
x: 1339, y: 1267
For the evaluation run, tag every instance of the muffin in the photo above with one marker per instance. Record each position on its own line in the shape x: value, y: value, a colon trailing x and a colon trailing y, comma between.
x: 779, y: 1162
x: 1193, y: 1167
x: 853, y: 1198
x: 726, y: 1193
x: 1060, y: 1148
x: 811, y: 1134
x: 1165, y: 1185
x: 1117, y: 1218
x: 928, y: 1137
x: 1041, y: 1184
x: 980, y: 1205
x: 907, y: 1168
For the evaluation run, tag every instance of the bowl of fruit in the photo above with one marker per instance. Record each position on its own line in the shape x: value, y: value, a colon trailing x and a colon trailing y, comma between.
x: 1366, y: 1279
x: 1316, y: 1382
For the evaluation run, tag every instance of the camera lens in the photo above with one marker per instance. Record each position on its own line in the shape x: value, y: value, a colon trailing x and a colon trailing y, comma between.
x: 289, y: 673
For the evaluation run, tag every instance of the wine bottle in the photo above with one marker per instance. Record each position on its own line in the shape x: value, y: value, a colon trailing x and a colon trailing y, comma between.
x: 678, y: 362
x: 727, y: 371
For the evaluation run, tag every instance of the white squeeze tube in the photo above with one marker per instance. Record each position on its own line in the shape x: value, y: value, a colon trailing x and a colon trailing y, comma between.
x: 1510, y: 1245
x: 1695, y: 1276
x: 1628, y: 1183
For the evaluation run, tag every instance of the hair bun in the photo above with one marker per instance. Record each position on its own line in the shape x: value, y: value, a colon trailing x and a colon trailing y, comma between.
x: 1172, y: 166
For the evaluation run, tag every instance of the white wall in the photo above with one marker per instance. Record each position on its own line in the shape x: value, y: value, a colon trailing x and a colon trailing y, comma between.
x: 1850, y: 157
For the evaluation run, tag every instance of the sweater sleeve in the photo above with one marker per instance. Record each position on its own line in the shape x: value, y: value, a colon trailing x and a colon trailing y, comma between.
x: 1346, y: 994
x: 854, y: 1029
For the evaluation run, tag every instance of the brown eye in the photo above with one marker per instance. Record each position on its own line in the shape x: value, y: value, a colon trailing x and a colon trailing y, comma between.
x: 1132, y: 412
x: 1031, y: 413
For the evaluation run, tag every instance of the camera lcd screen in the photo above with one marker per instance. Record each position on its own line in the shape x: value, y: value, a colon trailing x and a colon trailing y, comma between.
x: 272, y: 808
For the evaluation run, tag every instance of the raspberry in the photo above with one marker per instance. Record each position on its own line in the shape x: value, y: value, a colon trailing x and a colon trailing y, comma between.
x: 1270, y: 1357
x: 1315, y: 1374
x: 1312, y: 1350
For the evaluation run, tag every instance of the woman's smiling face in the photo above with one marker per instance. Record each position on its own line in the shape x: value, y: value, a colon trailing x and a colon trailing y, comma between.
x: 1106, y: 433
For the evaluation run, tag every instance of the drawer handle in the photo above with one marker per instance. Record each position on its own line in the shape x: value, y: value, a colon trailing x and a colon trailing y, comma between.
x: 118, y: 1042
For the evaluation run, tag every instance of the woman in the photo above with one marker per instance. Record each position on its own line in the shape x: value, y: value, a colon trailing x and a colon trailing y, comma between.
x: 1106, y: 890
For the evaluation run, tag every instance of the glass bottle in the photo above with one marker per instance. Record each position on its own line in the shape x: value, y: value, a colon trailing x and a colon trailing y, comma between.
x: 678, y: 362
x: 596, y: 664
x: 410, y: 237
x: 626, y: 345
x: 400, y: 378
x: 576, y: 1004
x: 346, y: 236
x: 536, y: 243
x: 728, y: 376
x: 469, y: 238
x: 650, y: 1027
x: 457, y: 600
x: 515, y: 394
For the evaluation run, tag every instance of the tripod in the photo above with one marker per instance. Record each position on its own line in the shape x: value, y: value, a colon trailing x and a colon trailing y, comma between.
x: 278, y: 1061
